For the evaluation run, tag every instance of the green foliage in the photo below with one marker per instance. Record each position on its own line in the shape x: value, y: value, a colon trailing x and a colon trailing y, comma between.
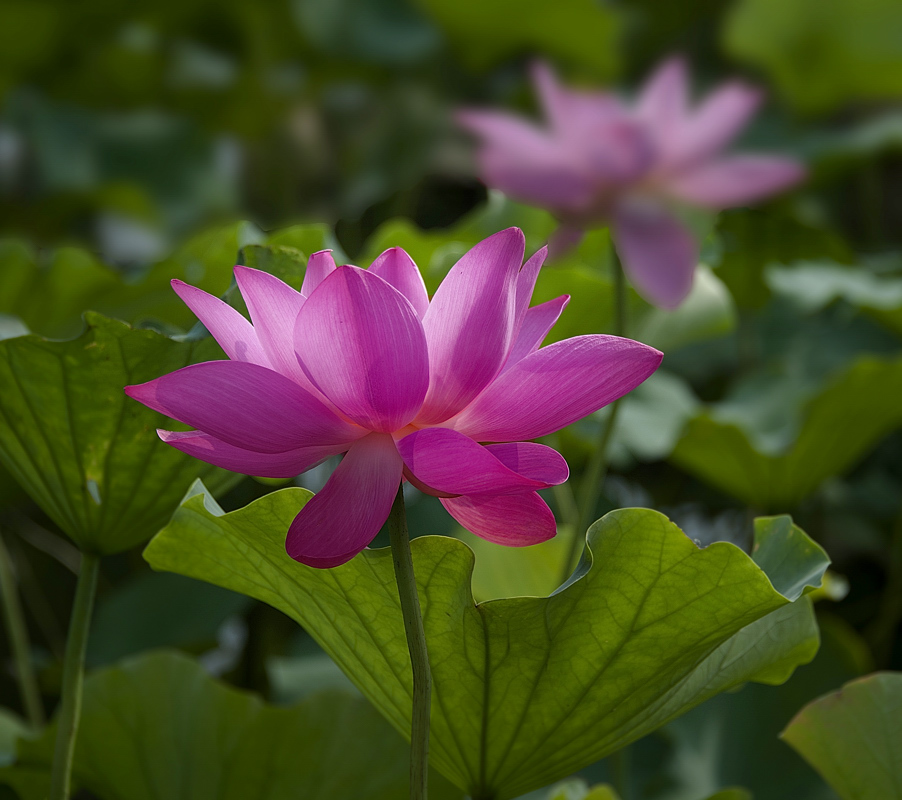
x: 853, y: 737
x: 813, y: 286
x: 527, y: 690
x: 87, y: 454
x: 852, y: 47
x: 580, y: 790
x: 839, y: 426
x: 484, y: 33
x: 173, y: 612
x: 726, y: 741
x: 750, y: 241
x: 159, y: 728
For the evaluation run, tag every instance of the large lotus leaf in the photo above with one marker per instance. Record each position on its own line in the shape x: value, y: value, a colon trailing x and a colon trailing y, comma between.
x: 814, y: 285
x: 87, y: 454
x: 853, y: 737
x: 839, y: 426
x: 529, y: 689
x: 158, y: 727
x: 852, y: 46
x: 752, y: 239
x: 708, y: 749
x: 580, y: 31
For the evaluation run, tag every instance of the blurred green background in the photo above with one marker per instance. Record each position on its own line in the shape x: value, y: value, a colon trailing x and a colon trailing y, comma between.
x: 141, y: 142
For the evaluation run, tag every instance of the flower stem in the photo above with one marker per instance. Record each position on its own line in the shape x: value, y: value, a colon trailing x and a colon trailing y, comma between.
x: 18, y: 640
x: 596, y: 469
x: 416, y: 644
x: 73, y: 677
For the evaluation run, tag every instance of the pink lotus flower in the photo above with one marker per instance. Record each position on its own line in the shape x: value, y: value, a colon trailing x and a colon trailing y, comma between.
x: 600, y: 161
x: 361, y: 362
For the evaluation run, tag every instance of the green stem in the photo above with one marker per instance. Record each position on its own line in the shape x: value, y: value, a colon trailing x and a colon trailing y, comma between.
x: 596, y: 469
x: 416, y: 644
x: 619, y: 763
x: 18, y: 640
x: 73, y: 677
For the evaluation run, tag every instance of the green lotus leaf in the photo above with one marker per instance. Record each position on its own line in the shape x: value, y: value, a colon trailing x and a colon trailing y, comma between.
x: 87, y: 454
x: 157, y: 727
x: 527, y: 690
x: 839, y: 426
x: 852, y: 47
x: 853, y: 737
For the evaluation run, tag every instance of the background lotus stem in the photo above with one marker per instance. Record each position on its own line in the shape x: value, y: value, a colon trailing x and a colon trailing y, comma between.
x: 596, y: 469
x: 416, y: 644
x: 619, y: 764
x: 18, y: 640
x: 73, y: 678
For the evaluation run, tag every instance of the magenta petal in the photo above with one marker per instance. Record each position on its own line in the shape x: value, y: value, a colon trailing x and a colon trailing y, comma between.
x: 735, y: 180
x: 525, y: 162
x: 664, y: 97
x: 556, y: 386
x: 535, y: 461
x: 396, y: 267
x: 263, y: 465
x: 319, y: 265
x: 470, y: 323
x: 274, y: 307
x: 234, y: 333
x: 362, y: 345
x: 452, y: 463
x: 244, y: 405
x: 714, y: 124
x: 572, y: 113
x: 659, y: 254
x: 516, y: 520
x: 526, y: 281
x: 537, y: 322
x: 343, y: 518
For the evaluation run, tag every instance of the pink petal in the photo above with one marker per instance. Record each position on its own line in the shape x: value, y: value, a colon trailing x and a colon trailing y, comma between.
x: 526, y: 281
x: 516, y: 520
x: 735, y: 180
x: 451, y: 463
x: 715, y: 123
x: 470, y: 323
x: 274, y: 307
x: 234, y: 333
x: 571, y: 111
x: 526, y: 163
x: 362, y: 345
x: 396, y: 267
x: 537, y: 322
x: 556, y: 386
x: 246, y: 406
x: 263, y: 465
x: 617, y: 152
x: 531, y: 460
x: 658, y: 252
x: 665, y: 96
x: 343, y: 518
x: 319, y: 265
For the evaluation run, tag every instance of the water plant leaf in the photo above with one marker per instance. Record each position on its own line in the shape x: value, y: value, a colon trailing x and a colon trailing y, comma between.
x: 87, y: 454
x: 527, y: 690
x: 852, y: 47
x: 839, y: 426
x: 853, y: 737
x: 157, y: 727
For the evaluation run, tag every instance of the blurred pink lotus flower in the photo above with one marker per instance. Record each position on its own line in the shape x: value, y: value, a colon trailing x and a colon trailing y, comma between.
x: 361, y: 362
x: 601, y: 161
